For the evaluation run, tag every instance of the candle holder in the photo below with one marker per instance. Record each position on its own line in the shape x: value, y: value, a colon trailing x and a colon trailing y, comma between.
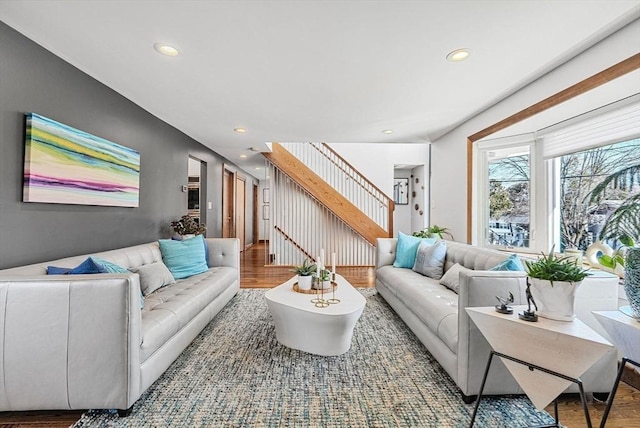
x: 334, y: 285
x: 319, y: 302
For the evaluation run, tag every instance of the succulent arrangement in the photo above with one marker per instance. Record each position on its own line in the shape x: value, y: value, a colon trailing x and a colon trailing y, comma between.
x: 305, y: 269
x: 555, y: 268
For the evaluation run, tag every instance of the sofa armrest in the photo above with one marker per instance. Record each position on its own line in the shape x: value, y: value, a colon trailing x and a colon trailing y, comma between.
x: 385, y: 251
x: 224, y: 252
x: 480, y: 288
x: 69, y: 342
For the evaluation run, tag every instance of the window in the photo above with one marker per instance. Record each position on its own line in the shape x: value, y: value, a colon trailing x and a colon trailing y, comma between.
x: 580, y: 218
x: 509, y: 207
x: 505, y: 187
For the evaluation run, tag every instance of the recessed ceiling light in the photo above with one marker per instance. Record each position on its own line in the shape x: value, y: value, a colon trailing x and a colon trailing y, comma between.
x: 240, y: 130
x: 243, y: 156
x: 257, y: 168
x: 458, y: 55
x: 387, y: 131
x: 166, y: 49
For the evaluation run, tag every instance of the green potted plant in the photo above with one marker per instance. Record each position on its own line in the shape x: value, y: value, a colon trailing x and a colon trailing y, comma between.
x: 187, y: 227
x: 305, y: 274
x: 434, y: 231
x: 554, y: 280
x: 325, y: 278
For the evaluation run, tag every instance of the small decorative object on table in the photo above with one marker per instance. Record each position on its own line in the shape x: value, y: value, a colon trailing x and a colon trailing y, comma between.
x: 321, y: 276
x: 333, y: 299
x: 504, y: 307
x: 529, y: 315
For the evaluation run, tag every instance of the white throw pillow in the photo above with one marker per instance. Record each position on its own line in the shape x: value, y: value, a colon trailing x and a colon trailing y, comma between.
x: 451, y: 278
x: 430, y: 259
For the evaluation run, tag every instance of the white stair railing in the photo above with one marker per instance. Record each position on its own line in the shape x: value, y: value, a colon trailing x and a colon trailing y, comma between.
x: 345, y: 179
x: 299, y: 227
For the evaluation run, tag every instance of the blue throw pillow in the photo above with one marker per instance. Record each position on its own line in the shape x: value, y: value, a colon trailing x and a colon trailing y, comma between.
x: 88, y: 266
x: 184, y: 258
x: 512, y: 263
x: 407, y: 248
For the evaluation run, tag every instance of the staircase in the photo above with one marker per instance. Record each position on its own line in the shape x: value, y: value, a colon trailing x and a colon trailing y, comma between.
x: 319, y: 201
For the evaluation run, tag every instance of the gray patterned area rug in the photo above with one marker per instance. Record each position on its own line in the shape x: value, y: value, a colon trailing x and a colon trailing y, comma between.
x: 235, y: 374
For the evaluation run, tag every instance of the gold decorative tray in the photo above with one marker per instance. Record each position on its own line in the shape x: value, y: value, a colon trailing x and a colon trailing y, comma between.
x: 314, y: 291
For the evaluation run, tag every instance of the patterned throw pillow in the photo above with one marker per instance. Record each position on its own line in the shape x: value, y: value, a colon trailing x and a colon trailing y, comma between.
x: 430, y: 259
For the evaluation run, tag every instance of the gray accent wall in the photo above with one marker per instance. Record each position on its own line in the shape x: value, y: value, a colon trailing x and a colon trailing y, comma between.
x: 33, y: 79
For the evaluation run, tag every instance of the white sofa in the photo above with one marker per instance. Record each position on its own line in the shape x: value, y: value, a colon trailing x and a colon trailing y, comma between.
x: 83, y: 341
x: 432, y: 312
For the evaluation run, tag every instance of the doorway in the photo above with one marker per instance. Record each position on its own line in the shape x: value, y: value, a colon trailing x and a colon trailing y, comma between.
x: 255, y: 215
x: 240, y: 210
x: 196, y: 195
x: 228, y: 204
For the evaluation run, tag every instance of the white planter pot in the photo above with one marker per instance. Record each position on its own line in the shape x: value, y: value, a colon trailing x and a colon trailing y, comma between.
x: 304, y: 282
x: 324, y: 285
x: 177, y: 237
x: 557, y: 302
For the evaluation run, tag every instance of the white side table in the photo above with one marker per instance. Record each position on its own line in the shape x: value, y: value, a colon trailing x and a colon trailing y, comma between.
x: 625, y: 335
x: 544, y: 357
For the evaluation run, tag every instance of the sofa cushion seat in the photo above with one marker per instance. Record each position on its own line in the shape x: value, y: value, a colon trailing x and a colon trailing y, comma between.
x: 167, y: 310
x: 435, y: 305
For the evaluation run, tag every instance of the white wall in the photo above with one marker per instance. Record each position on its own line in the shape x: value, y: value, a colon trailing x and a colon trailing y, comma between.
x: 402, y: 213
x: 376, y: 161
x: 420, y: 216
x: 449, y: 172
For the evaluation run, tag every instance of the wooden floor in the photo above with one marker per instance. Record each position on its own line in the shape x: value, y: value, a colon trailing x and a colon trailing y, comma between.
x: 624, y: 414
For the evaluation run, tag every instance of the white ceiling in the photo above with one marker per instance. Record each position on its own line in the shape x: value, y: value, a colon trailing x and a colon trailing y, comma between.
x: 332, y: 71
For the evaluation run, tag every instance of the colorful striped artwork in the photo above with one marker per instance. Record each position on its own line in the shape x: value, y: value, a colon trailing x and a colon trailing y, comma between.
x: 64, y: 165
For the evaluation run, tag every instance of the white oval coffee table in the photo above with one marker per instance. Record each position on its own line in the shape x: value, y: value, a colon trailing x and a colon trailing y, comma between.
x: 321, y: 331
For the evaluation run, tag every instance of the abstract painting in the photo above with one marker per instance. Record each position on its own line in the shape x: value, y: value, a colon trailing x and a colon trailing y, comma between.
x: 64, y: 165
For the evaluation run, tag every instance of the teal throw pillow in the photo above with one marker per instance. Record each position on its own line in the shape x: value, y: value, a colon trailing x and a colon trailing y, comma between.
x: 108, y: 266
x: 512, y: 263
x: 111, y: 267
x: 407, y: 248
x: 184, y: 258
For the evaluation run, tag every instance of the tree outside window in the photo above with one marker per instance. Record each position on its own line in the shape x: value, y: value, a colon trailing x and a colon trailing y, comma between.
x: 509, y: 200
x: 580, y: 173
